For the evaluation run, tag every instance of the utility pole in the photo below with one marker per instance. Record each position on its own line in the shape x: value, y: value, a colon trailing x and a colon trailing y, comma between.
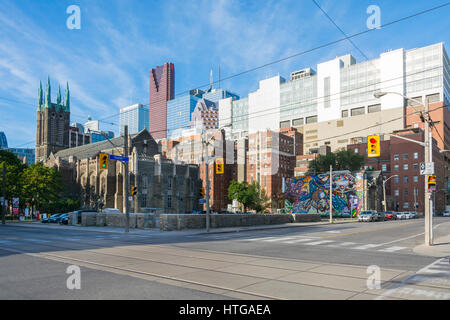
x: 126, y: 180
x: 331, y: 193
x: 428, y: 139
x: 4, y: 192
x: 205, y: 144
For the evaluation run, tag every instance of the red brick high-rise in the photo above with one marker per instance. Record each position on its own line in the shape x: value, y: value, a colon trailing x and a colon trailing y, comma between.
x: 162, y: 89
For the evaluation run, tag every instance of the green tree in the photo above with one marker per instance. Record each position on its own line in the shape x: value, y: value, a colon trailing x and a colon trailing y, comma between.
x: 42, y: 187
x: 14, y: 169
x: 342, y: 159
x: 260, y: 199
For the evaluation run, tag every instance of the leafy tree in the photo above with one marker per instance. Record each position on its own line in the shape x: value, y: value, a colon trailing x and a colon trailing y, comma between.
x: 42, y: 187
x: 342, y: 159
x: 14, y: 169
x: 260, y: 199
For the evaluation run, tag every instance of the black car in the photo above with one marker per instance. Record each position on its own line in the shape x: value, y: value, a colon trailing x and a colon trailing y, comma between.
x: 53, y: 218
x: 64, y: 219
x: 58, y: 219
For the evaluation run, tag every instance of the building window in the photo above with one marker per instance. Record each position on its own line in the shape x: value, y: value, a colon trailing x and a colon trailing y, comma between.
x: 396, y: 157
x: 406, y: 205
x: 416, y: 155
x: 384, y: 167
x: 169, y: 201
x: 396, y: 167
x: 396, y: 179
x: 416, y: 178
x: 344, y: 113
x: 405, y: 191
x: 297, y: 122
x: 326, y: 92
x: 433, y: 97
x: 396, y: 192
x: 405, y: 156
x: 374, y: 108
x: 169, y: 183
x: 358, y: 111
x: 312, y: 119
x: 285, y: 124
x: 416, y: 166
x: 143, y: 200
x: 405, y: 167
x: 356, y: 150
x: 405, y: 179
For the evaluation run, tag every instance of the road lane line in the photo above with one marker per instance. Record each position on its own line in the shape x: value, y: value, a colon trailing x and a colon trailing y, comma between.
x: 392, y: 249
x: 318, y: 242
x: 279, y: 239
x: 367, y: 246
x: 298, y: 240
x: 343, y: 244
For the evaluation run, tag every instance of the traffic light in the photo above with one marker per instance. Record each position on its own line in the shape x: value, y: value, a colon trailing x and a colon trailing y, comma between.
x: 431, y: 183
x: 373, y: 146
x: 202, y: 192
x: 103, y: 161
x: 133, y: 190
x: 219, y: 166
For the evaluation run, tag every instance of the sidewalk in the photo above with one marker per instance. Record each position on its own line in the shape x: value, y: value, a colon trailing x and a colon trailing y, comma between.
x: 155, y: 231
x: 440, y: 249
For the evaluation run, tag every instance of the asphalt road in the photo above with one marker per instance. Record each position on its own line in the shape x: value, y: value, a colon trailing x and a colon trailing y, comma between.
x: 308, y: 262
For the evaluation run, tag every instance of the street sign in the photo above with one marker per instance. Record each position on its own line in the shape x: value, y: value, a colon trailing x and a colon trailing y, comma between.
x: 119, y: 158
x: 426, y: 168
x: 15, y: 202
x: 15, y: 210
x: 130, y: 198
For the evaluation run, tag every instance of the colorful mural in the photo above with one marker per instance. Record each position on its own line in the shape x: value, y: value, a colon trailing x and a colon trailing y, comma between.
x: 310, y: 194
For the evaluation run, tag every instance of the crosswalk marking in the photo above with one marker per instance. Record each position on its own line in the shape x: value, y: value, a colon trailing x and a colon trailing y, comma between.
x: 392, y: 249
x: 367, y: 246
x: 318, y: 242
x: 298, y: 240
x: 441, y: 266
x: 258, y: 239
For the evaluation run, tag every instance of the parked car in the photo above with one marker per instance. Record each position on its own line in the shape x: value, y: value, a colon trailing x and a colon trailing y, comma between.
x: 368, y: 216
x: 412, y: 215
x: 60, y: 217
x: 390, y: 215
x: 401, y: 215
x: 381, y: 216
x: 79, y: 212
x: 64, y: 220
x: 446, y: 214
x: 53, y: 218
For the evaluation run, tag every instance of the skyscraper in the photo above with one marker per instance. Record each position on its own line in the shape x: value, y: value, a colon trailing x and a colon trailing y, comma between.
x: 162, y: 89
x: 135, y: 117
x: 3, y: 140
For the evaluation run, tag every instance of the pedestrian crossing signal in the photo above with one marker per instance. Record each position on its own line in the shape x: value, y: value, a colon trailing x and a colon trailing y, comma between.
x: 133, y: 190
x: 103, y: 161
x: 219, y: 166
x: 431, y: 183
x: 373, y: 146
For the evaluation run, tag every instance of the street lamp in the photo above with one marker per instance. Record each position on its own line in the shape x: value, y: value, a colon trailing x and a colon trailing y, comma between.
x: 384, y: 190
x: 428, y: 146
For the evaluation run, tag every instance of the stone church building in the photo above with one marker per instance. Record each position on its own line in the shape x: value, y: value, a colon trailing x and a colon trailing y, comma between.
x: 162, y: 185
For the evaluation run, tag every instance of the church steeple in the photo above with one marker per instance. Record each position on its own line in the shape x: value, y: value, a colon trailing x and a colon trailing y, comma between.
x: 58, y: 97
x: 48, y: 98
x: 67, y: 99
x: 40, y: 96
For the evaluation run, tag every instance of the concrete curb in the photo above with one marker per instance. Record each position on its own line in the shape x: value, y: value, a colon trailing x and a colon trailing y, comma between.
x: 440, y: 249
x: 150, y: 232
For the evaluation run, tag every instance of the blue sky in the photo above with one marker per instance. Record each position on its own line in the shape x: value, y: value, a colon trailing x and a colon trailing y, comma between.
x: 107, y: 61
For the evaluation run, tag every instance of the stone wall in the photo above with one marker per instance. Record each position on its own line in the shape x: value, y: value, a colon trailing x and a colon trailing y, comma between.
x: 117, y: 220
x: 170, y: 222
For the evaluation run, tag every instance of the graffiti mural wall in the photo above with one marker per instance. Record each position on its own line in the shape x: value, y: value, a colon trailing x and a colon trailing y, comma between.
x: 311, y: 194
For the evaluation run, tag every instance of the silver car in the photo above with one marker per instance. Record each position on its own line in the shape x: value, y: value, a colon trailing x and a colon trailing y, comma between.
x: 368, y: 216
